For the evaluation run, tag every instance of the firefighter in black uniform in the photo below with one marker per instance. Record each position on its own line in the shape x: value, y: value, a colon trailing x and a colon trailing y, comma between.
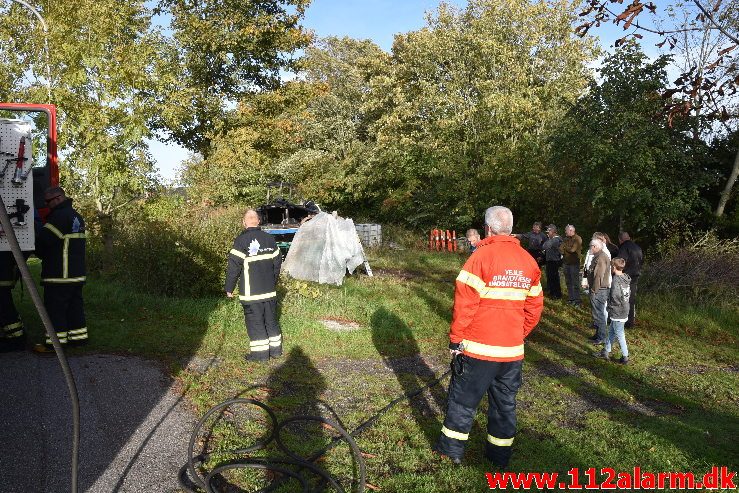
x: 60, y: 244
x: 11, y: 327
x: 256, y: 259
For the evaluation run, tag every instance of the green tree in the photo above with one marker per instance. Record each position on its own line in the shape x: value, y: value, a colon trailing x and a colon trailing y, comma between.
x: 99, y: 74
x: 623, y: 164
x: 219, y: 52
x: 311, y: 132
x: 471, y: 98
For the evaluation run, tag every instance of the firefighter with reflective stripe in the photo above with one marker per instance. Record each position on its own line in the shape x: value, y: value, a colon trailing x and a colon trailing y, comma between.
x: 255, y: 258
x: 497, y: 302
x: 12, y: 335
x: 60, y: 244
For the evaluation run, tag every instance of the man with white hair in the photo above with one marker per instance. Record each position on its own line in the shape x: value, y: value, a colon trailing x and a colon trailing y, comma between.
x: 497, y: 302
x: 599, y: 281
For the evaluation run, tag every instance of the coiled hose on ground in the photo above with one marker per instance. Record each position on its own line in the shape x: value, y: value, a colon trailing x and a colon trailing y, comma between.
x: 293, y: 465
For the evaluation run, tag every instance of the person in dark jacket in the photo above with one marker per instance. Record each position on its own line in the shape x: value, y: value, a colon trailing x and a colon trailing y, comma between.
x: 571, y: 250
x: 632, y: 253
x: 255, y: 259
x: 553, y: 258
x: 618, y: 311
x: 612, y: 249
x: 12, y: 336
x: 60, y: 244
x: 535, y: 241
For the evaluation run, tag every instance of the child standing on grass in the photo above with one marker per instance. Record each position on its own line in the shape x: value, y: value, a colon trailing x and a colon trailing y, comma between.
x: 618, y: 310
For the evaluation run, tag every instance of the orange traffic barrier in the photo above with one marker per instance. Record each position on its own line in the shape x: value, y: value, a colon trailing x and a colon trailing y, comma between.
x: 454, y: 241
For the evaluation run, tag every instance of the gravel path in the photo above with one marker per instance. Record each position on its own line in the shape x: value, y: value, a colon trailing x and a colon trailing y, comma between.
x: 134, y: 426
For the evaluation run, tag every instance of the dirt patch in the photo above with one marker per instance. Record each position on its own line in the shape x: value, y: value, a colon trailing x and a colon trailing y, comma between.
x: 553, y: 370
x: 405, y: 275
x: 199, y: 365
x: 693, y: 369
x: 417, y: 365
x: 340, y: 324
x: 578, y: 406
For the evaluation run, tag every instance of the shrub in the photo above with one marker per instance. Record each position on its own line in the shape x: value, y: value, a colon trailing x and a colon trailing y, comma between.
x: 705, y: 270
x: 172, y: 250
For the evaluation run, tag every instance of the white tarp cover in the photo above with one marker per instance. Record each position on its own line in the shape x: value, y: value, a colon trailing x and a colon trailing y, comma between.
x: 323, y: 249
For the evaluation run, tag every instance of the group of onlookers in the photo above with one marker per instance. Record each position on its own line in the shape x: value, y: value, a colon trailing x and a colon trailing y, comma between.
x: 609, y: 273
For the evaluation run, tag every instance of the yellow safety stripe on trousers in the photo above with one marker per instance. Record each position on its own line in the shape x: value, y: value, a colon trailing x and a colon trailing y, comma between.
x: 492, y: 351
x: 454, y: 434
x: 77, y: 334
x: 275, y: 341
x: 12, y: 330
x: 501, y: 442
x: 259, y: 343
x: 535, y: 290
x: 64, y: 280
x: 62, y: 338
x: 14, y: 325
x: 471, y: 280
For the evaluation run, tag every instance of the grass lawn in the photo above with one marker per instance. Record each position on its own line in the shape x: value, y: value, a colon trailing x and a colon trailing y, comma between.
x: 674, y: 408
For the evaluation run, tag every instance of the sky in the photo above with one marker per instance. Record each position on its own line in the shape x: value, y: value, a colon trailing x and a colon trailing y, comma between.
x: 377, y: 20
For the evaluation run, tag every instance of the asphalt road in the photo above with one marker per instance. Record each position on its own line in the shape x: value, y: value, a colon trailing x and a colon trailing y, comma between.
x: 134, y: 427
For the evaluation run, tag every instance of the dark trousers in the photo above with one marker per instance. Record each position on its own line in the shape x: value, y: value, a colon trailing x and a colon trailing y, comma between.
x: 10, y: 323
x: 553, y: 286
x: 633, y: 285
x: 537, y: 255
x: 501, y: 381
x: 265, y: 336
x: 67, y: 311
x: 572, y: 279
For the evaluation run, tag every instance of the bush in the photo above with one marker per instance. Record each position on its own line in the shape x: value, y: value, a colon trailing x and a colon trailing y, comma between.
x: 168, y: 248
x: 704, y: 270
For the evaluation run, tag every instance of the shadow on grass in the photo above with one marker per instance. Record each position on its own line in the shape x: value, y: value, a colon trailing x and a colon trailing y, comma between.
x: 128, y: 411
x: 392, y: 339
x: 665, y: 416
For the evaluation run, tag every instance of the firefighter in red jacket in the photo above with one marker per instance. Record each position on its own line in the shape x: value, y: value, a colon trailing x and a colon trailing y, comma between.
x: 497, y: 302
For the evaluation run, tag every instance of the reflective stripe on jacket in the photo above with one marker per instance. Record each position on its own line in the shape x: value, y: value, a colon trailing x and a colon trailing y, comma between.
x: 255, y: 259
x: 60, y: 244
x: 498, y: 300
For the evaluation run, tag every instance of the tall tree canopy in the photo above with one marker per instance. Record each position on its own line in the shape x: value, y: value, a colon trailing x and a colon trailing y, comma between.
x: 628, y: 168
